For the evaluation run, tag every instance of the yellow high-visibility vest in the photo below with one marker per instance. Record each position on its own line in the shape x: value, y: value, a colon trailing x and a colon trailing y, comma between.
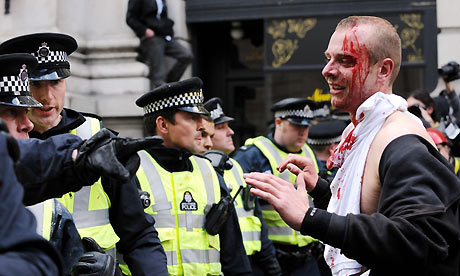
x: 90, y: 205
x: 250, y: 225
x: 179, y: 202
x: 278, y: 230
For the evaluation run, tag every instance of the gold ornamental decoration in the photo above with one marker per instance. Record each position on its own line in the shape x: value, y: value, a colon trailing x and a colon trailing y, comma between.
x: 283, y: 48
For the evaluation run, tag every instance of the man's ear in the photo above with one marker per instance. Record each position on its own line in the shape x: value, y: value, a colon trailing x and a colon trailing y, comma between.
x: 386, y: 68
x: 278, y: 121
x: 162, y: 125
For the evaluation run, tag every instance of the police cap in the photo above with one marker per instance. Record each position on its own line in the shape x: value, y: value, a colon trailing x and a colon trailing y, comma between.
x: 214, y: 106
x: 14, y: 83
x: 50, y: 49
x: 326, y: 132
x: 183, y: 95
x: 298, y: 111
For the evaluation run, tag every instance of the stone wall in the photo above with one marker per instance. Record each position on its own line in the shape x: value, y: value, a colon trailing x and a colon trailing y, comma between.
x: 106, y: 78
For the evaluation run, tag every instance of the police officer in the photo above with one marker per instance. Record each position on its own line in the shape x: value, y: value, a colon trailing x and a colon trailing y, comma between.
x: 323, y: 138
x: 264, y: 154
x: 184, y: 187
x: 255, y: 235
x: 54, y: 221
x: 108, y: 212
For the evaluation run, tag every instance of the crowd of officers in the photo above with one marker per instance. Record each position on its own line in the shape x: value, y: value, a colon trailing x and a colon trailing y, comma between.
x: 171, y: 203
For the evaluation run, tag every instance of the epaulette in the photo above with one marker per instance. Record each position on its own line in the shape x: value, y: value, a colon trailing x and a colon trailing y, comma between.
x: 91, y: 115
x: 244, y: 148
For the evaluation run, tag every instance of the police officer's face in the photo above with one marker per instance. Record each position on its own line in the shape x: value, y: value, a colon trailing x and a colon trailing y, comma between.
x: 51, y: 95
x: 185, y: 133
x: 222, y: 139
x: 206, y: 137
x: 17, y: 121
x: 291, y: 136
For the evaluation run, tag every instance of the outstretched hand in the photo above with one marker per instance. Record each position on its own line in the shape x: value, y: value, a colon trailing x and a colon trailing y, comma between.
x: 303, y: 167
x: 113, y: 157
x: 291, y: 203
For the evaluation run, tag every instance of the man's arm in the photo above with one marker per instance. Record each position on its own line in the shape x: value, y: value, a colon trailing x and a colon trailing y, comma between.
x: 44, y: 166
x: 133, y: 17
x: 139, y: 242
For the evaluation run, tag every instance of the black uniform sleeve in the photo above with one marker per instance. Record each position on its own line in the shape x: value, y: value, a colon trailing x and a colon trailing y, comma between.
x: 22, y: 250
x: 65, y: 237
x: 45, y: 165
x: 139, y: 242
x: 133, y: 17
x: 233, y: 256
x: 417, y: 224
x: 251, y: 159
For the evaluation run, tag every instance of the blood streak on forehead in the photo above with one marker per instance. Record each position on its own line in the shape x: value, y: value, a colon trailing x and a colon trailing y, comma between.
x: 359, y: 51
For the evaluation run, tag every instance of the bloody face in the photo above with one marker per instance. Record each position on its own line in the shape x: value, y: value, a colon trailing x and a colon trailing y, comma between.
x: 350, y: 74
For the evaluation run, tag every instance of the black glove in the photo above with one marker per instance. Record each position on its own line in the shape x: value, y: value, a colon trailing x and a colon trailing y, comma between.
x: 95, y: 262
x: 11, y: 143
x: 114, y: 157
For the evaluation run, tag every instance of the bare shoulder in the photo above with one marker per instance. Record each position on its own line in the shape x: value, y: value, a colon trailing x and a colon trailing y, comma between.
x: 396, y: 125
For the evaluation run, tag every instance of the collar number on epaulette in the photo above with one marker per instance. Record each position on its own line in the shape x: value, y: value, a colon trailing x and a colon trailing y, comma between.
x: 188, y: 203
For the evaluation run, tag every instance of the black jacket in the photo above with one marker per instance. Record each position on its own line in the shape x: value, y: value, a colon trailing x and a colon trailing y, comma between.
x: 416, y: 229
x: 142, y: 14
x: 139, y: 241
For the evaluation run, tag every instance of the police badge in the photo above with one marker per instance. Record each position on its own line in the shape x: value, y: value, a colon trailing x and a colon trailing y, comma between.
x: 188, y: 203
x: 43, y: 50
x: 23, y: 73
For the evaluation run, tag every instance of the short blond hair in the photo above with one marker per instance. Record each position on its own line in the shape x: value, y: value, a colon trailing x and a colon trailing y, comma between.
x: 385, y: 43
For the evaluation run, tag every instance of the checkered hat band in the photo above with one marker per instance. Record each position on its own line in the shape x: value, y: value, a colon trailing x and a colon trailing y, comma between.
x: 325, y: 141
x: 177, y: 100
x: 53, y: 56
x: 216, y: 113
x: 13, y: 85
x: 293, y: 113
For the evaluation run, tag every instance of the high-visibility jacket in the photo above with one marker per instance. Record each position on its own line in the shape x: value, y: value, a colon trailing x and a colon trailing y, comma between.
x: 90, y: 205
x: 278, y: 230
x: 250, y: 224
x: 179, y: 202
x: 43, y: 213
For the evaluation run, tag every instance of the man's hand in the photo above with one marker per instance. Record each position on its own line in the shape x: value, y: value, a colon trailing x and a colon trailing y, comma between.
x: 302, y: 166
x: 149, y: 33
x: 95, y: 262
x: 289, y: 202
x: 114, y: 157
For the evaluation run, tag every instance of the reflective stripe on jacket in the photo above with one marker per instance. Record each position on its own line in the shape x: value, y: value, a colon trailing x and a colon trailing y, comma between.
x: 179, y: 202
x: 278, y: 230
x: 250, y: 225
x: 43, y: 213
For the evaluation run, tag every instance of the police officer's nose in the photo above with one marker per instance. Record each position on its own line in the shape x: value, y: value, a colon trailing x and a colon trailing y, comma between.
x: 24, y: 124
